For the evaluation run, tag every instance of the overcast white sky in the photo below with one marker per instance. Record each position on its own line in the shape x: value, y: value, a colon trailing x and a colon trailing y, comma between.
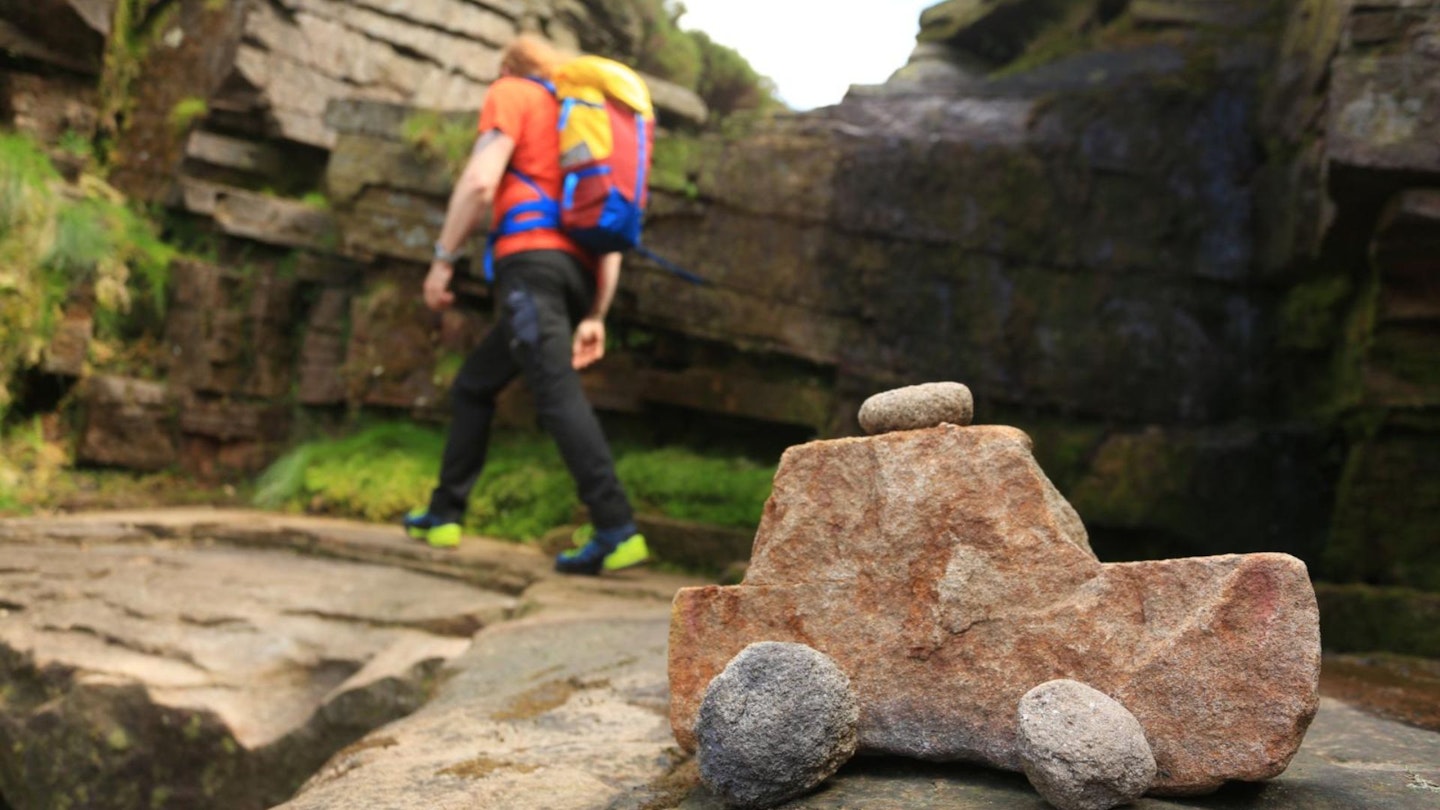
x: 813, y: 49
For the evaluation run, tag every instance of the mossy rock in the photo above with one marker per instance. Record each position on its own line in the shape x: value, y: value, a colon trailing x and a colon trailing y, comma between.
x: 1164, y: 493
x: 995, y: 30
x: 1312, y: 312
x: 1401, y: 365
x: 1136, y: 480
x: 1386, y: 511
x: 680, y: 163
x: 1366, y: 618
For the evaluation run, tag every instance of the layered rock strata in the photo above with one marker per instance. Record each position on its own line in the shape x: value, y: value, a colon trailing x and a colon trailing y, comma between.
x: 945, y: 575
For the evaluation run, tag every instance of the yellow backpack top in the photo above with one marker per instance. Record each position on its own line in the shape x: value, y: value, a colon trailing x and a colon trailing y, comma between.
x: 583, y: 85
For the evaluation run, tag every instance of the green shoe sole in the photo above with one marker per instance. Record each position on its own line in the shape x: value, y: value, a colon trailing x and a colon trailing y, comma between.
x: 446, y: 535
x: 630, y: 553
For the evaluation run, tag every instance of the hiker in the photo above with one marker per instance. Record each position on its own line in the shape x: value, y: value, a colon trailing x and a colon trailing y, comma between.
x: 551, y: 297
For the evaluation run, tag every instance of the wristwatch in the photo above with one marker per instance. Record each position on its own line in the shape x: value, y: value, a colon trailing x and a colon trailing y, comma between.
x: 443, y: 255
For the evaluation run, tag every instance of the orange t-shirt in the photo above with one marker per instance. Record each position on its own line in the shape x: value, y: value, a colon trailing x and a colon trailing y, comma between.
x: 528, y: 113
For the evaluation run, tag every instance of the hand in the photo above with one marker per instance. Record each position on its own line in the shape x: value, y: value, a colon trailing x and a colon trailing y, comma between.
x: 589, y: 342
x: 437, y: 293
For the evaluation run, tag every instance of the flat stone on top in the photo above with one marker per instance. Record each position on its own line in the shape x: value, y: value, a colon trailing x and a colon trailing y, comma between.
x: 917, y: 407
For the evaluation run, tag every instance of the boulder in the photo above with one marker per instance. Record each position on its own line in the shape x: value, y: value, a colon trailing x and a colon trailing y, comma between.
x: 946, y: 577
x: 1081, y: 749
x: 223, y: 437
x: 918, y: 407
x: 674, y: 104
x: 775, y: 723
x: 241, y: 154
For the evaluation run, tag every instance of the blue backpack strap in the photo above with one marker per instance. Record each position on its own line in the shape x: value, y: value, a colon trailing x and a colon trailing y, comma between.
x: 541, y: 213
x: 525, y: 178
x: 572, y: 181
x: 531, y: 216
x: 671, y: 266
x: 545, y: 83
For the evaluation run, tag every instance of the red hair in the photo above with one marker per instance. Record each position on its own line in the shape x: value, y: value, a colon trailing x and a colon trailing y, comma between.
x: 531, y: 55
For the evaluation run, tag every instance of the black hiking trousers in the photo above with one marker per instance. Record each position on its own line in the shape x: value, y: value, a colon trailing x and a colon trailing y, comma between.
x: 540, y: 296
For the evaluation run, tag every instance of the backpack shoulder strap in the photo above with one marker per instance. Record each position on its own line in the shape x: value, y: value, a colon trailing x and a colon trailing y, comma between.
x: 545, y: 83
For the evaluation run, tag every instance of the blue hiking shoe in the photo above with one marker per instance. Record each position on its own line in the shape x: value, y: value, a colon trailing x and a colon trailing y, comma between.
x: 599, y: 551
x: 631, y: 552
x: 421, y: 525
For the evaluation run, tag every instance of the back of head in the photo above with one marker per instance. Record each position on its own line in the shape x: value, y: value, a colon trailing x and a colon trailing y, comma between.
x: 531, y: 55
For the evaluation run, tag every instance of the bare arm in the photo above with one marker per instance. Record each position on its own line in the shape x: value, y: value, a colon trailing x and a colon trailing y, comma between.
x: 590, y: 333
x: 607, y: 278
x: 471, y: 199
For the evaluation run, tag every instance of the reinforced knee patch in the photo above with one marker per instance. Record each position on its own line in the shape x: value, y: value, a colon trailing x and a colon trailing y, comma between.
x: 524, y: 319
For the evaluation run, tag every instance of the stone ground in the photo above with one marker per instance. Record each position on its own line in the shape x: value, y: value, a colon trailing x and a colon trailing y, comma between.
x: 562, y: 704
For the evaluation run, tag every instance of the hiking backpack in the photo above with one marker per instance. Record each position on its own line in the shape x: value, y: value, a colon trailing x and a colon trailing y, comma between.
x: 607, y: 138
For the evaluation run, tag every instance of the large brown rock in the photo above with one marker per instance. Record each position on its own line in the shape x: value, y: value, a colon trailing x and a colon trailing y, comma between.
x: 128, y: 423
x: 229, y: 331
x: 944, y: 573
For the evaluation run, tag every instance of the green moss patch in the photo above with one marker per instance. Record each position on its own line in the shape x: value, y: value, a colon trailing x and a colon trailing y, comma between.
x: 1136, y: 480
x: 446, y: 139
x: 1310, y: 316
x: 1386, y: 511
x: 385, y: 470
x: 59, y: 241
x: 187, y: 111
x: 679, y: 160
